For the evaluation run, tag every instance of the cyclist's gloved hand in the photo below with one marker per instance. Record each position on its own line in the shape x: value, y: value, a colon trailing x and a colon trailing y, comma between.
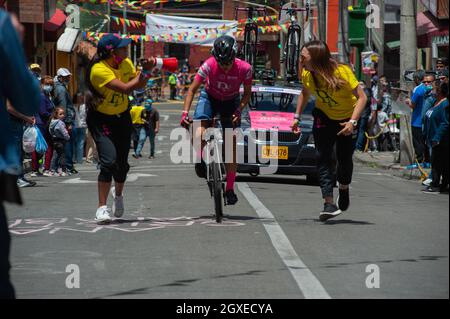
x: 185, y: 120
x: 236, y: 118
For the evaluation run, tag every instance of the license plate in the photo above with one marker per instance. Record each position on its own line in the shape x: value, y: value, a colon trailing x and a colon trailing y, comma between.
x: 275, y: 152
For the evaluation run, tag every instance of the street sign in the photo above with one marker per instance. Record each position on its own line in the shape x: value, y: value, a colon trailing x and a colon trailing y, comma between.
x: 408, y: 75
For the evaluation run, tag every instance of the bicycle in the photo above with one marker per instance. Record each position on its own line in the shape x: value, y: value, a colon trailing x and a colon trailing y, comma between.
x: 250, y: 41
x: 291, y: 51
x: 215, y: 170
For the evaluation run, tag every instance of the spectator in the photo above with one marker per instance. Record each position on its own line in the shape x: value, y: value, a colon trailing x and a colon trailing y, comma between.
x: 60, y: 136
x: 339, y: 104
x: 36, y: 70
x: 363, y: 120
x: 386, y: 99
x: 21, y: 88
x: 91, y: 149
x: 441, y: 64
x: 138, y: 134
x: 416, y: 104
x: 173, y: 85
x: 64, y: 100
x: 42, y: 121
x: 443, y: 75
x: 151, y: 122
x: 436, y: 132
x: 80, y: 127
x: 382, y: 129
x: 18, y: 122
x: 111, y: 78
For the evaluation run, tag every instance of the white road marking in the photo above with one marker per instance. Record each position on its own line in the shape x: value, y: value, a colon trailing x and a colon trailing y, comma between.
x: 77, y: 181
x: 135, y: 176
x: 165, y: 117
x: 308, y: 284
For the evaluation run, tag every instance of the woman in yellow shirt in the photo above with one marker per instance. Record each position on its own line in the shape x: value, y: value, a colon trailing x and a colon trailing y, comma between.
x: 340, y: 101
x: 111, y: 77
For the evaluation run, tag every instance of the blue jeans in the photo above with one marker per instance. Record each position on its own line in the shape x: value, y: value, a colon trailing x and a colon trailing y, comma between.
x: 68, y: 151
x: 361, y: 139
x: 79, y: 136
x: 142, y: 136
x: 17, y: 129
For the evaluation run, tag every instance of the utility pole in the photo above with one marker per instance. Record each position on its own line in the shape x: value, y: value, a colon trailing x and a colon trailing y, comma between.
x: 408, y: 60
x: 109, y: 16
x: 408, y: 40
x: 125, y: 4
x: 321, y: 10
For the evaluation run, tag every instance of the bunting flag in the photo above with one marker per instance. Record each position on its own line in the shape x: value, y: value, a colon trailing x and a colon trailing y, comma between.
x: 267, y: 19
x: 117, y: 20
x: 135, y: 5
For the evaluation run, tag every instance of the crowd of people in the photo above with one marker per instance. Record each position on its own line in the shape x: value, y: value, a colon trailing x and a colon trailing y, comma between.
x: 430, y: 125
x: 61, y: 119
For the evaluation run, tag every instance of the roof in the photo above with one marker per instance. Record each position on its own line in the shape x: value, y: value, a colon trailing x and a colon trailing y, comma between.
x: 56, y: 21
x: 67, y: 40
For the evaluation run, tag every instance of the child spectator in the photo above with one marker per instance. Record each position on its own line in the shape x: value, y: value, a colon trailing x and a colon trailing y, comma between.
x: 60, y: 136
x: 382, y: 129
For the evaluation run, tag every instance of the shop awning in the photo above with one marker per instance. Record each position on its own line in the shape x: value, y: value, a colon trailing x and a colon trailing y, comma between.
x: 393, y: 45
x: 56, y: 21
x: 429, y: 27
x: 67, y: 40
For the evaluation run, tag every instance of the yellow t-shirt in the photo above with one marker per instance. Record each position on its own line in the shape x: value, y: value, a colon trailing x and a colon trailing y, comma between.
x: 135, y: 112
x: 101, y: 74
x: 337, y: 105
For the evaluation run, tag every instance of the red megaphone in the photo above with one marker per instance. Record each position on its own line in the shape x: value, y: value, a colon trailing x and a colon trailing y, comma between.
x: 168, y: 64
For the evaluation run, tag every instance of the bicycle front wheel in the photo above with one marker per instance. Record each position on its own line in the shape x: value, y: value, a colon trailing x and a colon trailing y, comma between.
x: 217, y: 191
x: 292, y: 53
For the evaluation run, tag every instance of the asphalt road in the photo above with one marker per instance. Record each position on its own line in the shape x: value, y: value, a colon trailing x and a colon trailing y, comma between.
x: 393, y: 242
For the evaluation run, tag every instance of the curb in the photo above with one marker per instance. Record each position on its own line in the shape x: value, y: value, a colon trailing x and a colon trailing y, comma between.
x: 395, y: 168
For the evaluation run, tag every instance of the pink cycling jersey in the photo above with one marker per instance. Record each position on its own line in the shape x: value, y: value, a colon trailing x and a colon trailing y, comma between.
x: 224, y: 86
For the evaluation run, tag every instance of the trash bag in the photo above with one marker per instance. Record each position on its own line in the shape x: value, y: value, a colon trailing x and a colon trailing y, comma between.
x: 41, y: 144
x: 29, y: 139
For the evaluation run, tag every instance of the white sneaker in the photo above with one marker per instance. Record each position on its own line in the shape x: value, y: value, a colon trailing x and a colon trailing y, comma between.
x: 102, y: 215
x: 427, y: 182
x: 117, y: 206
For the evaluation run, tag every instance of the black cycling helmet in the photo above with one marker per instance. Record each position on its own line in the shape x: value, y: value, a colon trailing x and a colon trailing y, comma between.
x: 225, y: 49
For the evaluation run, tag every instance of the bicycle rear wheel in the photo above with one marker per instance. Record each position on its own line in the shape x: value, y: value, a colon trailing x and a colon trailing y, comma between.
x: 292, y: 53
x: 217, y: 191
x: 250, y: 42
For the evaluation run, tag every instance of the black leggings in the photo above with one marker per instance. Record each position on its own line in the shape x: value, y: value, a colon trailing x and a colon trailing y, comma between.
x: 440, y: 165
x: 325, y: 137
x: 112, y: 135
x: 6, y: 288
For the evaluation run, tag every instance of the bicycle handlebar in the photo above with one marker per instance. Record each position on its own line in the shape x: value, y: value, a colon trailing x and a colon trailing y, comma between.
x: 294, y: 9
x: 250, y: 9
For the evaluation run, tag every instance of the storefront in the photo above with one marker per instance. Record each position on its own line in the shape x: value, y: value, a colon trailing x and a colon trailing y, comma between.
x: 432, y: 39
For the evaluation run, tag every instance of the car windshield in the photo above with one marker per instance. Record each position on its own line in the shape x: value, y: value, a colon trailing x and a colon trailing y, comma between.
x: 277, y: 102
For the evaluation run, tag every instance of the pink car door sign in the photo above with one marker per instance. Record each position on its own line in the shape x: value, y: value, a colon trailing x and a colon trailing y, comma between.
x: 262, y: 120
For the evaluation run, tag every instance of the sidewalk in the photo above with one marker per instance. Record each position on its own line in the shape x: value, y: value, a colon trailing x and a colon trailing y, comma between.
x: 386, y: 161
